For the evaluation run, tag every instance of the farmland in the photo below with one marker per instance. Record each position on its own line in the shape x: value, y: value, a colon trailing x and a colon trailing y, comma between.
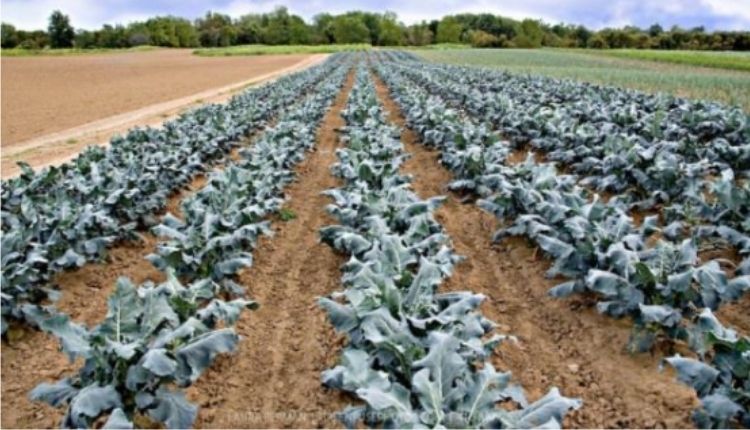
x: 720, y: 60
x: 382, y: 241
x: 280, y: 49
x: 50, y: 94
x: 620, y: 68
x: 54, y: 106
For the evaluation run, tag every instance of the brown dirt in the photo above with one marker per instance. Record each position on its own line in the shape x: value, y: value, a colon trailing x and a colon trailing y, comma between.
x: 518, y: 156
x: 61, y: 146
x: 46, y: 94
x: 561, y: 343
x: 273, y: 380
x: 736, y: 315
x: 26, y: 361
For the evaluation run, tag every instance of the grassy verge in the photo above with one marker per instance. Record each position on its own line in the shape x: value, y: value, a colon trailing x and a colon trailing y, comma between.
x: 435, y: 47
x: 17, y: 52
x: 731, y: 60
x: 726, y: 86
x: 279, y: 49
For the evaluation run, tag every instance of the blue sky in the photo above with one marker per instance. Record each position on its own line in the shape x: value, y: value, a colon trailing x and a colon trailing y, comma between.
x: 713, y: 14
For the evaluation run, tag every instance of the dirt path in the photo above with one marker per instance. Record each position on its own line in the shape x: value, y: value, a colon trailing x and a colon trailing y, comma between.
x: 273, y: 380
x: 145, y: 95
x: 561, y: 343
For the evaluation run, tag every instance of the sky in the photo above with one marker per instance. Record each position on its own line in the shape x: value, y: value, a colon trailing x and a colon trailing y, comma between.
x: 595, y: 14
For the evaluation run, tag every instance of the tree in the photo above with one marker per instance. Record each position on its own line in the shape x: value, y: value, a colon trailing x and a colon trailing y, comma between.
x: 323, y: 28
x: 449, y: 30
x: 216, y: 29
x: 276, y: 28
x: 348, y: 29
x: 419, y: 34
x: 36, y: 39
x: 9, y: 36
x: 597, y: 42
x: 655, y: 30
x: 552, y: 39
x: 85, y: 39
x: 482, y: 39
x: 186, y: 33
x: 391, y: 33
x: 530, y: 34
x: 299, y: 32
x: 372, y: 22
x: 582, y: 35
x: 249, y: 29
x: 113, y: 37
x: 61, y: 33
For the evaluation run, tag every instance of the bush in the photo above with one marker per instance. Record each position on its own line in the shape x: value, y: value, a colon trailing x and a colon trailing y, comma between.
x: 30, y: 44
x: 597, y: 42
x: 482, y: 39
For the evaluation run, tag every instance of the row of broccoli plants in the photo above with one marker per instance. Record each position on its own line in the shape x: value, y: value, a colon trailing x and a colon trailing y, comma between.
x: 157, y: 339
x: 715, y: 212
x: 415, y: 357
x: 726, y: 213
x: 662, y: 286
x: 565, y: 112
x: 62, y: 217
x: 694, y: 177
x: 476, y: 166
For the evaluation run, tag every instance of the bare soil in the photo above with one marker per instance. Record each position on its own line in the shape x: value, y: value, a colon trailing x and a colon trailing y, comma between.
x: 46, y: 94
x: 61, y: 146
x: 273, y: 379
x: 561, y: 343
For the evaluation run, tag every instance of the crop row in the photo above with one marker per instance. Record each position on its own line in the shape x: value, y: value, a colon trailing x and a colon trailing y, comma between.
x: 157, y: 339
x: 652, y: 158
x: 62, y: 217
x: 415, y: 357
x: 658, y: 281
x: 723, y: 212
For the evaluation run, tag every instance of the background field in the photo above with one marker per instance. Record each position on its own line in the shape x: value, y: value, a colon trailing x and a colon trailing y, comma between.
x: 731, y: 60
x: 727, y: 86
x: 48, y: 94
x: 280, y: 49
x: 17, y: 52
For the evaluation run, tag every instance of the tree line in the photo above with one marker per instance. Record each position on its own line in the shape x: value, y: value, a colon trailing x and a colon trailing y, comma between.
x: 280, y: 27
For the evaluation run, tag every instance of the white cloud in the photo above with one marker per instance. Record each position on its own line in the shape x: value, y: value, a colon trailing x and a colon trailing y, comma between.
x: 242, y: 7
x: 33, y: 14
x: 732, y: 8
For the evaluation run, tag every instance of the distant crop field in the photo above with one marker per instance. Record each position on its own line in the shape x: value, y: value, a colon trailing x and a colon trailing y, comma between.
x: 726, y: 86
x: 18, y: 52
x: 280, y: 49
x: 731, y: 60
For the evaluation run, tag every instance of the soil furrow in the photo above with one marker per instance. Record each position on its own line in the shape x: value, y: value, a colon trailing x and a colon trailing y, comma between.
x: 273, y: 380
x: 30, y: 356
x: 563, y: 343
x: 85, y: 290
